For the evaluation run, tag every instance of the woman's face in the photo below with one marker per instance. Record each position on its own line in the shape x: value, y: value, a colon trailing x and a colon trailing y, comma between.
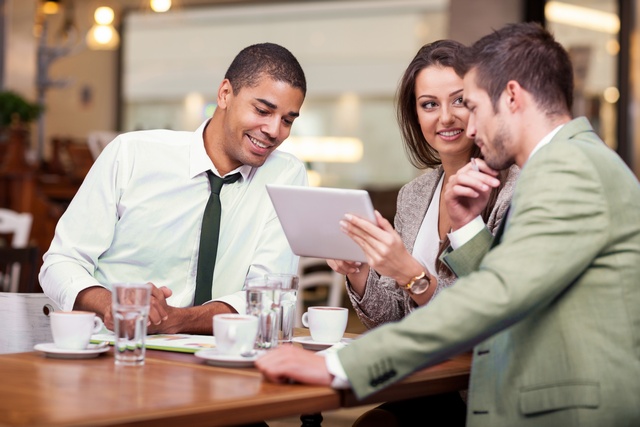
x: 442, y: 116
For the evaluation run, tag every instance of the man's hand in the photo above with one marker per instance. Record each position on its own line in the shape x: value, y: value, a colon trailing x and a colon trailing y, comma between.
x: 163, y: 318
x: 289, y: 362
x: 98, y: 300
x: 467, y: 192
x: 159, y: 309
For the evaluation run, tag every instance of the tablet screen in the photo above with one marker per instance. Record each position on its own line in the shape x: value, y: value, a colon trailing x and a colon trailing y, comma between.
x: 310, y: 218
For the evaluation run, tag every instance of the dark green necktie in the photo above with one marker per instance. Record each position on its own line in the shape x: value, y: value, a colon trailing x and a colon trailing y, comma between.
x: 209, y: 238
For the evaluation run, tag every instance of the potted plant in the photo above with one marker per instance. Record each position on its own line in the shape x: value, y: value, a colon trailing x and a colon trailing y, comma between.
x: 15, y: 113
x: 12, y: 104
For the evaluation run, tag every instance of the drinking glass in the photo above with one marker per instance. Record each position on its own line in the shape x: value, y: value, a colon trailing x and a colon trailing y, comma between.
x: 130, y: 313
x: 263, y: 301
x: 288, y: 297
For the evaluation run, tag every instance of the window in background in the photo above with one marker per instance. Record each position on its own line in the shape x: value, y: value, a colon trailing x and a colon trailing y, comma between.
x: 353, y: 53
x: 589, y: 29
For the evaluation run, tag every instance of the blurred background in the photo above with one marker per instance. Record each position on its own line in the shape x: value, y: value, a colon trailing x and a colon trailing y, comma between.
x: 86, y: 70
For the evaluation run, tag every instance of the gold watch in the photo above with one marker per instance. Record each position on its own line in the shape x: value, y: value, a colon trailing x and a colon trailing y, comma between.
x: 419, y: 284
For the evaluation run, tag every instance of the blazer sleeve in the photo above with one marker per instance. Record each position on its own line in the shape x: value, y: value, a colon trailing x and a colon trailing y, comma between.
x: 559, y: 223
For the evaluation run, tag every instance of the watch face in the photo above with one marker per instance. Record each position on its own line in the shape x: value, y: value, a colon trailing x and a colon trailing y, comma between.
x: 420, y: 286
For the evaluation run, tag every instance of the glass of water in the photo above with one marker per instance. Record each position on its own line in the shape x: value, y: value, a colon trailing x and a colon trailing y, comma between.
x: 288, y: 299
x: 130, y: 307
x: 263, y: 301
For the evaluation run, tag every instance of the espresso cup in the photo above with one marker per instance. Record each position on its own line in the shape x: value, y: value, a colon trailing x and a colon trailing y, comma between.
x: 72, y: 330
x: 326, y: 324
x: 235, y: 333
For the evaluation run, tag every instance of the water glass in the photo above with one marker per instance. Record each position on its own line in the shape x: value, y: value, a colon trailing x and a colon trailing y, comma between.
x: 263, y: 301
x: 130, y: 313
x: 288, y: 299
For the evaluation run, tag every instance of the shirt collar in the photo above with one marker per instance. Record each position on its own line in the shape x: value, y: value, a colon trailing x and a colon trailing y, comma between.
x: 199, y: 161
x: 547, y: 139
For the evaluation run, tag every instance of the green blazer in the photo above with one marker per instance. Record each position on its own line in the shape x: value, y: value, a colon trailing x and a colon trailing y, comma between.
x: 553, y: 310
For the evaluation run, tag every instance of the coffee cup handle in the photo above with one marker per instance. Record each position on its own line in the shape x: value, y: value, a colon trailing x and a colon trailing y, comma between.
x: 231, y: 334
x: 305, y: 322
x: 97, y: 324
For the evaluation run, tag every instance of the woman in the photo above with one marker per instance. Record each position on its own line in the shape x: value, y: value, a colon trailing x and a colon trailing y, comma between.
x: 433, y: 123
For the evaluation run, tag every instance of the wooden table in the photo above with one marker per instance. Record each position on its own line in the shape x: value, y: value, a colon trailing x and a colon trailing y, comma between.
x: 174, y: 389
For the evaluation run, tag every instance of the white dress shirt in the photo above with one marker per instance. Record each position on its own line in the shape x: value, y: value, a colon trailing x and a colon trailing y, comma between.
x: 427, y: 244
x: 137, y: 218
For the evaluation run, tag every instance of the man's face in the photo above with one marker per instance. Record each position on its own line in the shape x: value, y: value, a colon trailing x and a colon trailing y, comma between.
x: 257, y: 120
x: 489, y: 128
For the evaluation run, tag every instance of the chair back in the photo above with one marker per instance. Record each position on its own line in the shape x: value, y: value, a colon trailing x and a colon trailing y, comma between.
x: 318, y: 285
x: 99, y: 139
x: 24, y: 321
x: 19, y: 269
x: 18, y: 225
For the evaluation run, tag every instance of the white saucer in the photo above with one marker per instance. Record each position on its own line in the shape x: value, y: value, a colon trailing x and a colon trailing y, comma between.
x: 212, y: 357
x: 50, y: 350
x: 309, y: 344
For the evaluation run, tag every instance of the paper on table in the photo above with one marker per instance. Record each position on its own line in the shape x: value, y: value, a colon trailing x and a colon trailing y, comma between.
x: 182, y: 343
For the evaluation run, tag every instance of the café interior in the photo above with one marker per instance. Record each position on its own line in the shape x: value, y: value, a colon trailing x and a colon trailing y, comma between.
x: 91, y: 69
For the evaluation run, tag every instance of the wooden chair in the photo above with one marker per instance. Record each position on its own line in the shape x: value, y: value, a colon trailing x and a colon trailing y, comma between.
x: 18, y: 227
x: 97, y: 140
x: 19, y: 269
x: 24, y: 321
x: 318, y: 285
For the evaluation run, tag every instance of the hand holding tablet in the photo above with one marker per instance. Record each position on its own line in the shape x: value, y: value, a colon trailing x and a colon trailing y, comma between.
x: 310, y: 218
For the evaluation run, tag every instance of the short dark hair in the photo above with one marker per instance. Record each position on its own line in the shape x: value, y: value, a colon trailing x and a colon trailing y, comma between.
x: 528, y: 54
x: 265, y: 59
x: 441, y: 53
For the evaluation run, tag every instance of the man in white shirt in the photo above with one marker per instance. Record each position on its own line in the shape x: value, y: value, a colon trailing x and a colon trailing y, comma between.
x: 551, y: 307
x: 138, y: 214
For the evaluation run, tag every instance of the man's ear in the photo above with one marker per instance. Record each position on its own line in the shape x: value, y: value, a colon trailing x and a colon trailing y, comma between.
x: 225, y: 91
x: 513, y: 95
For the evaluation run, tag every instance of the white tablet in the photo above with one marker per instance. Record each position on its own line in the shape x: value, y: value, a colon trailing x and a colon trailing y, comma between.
x: 310, y: 218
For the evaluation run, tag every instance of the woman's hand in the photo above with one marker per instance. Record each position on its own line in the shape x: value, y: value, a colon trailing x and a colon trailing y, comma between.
x: 355, y: 271
x: 344, y: 267
x: 383, y: 247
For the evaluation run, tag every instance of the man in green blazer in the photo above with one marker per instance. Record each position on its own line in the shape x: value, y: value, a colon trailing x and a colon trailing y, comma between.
x: 551, y: 307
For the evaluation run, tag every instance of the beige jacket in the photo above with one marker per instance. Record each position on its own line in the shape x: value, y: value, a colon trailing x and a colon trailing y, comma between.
x: 383, y: 301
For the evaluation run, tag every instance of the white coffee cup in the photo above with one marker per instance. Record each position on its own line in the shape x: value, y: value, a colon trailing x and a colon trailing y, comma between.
x: 326, y: 324
x: 235, y: 333
x: 72, y: 330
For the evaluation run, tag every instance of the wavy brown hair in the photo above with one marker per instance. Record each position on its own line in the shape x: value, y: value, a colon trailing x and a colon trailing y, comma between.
x: 441, y: 53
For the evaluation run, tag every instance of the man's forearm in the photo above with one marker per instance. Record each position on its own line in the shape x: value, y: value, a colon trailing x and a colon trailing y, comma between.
x: 191, y: 320
x: 96, y: 299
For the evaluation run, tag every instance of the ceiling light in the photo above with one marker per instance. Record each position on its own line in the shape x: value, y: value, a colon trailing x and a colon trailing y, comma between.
x: 582, y: 17
x: 103, y: 15
x: 103, y: 37
x: 160, y: 5
x: 51, y: 7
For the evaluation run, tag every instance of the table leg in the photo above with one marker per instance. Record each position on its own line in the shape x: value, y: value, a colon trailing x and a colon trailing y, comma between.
x: 311, y: 420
